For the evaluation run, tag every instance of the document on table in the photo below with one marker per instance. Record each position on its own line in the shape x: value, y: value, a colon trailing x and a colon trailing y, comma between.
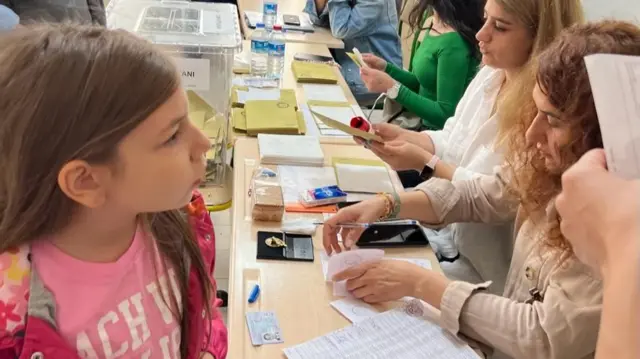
x: 258, y: 94
x: 615, y: 83
x: 354, y: 309
x: 321, y: 92
x: 399, y: 333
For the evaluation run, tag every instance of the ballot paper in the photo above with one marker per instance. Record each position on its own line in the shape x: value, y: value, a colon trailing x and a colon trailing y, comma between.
x: 324, y: 259
x: 322, y: 92
x: 353, y: 309
x: 345, y: 260
x: 399, y: 333
x: 258, y: 94
x: 363, y: 178
x: 615, y: 83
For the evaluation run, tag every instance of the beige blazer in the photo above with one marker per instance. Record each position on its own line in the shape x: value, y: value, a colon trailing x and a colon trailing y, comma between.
x: 560, y: 323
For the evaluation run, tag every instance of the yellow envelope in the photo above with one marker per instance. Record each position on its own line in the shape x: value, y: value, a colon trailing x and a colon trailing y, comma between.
x: 308, y: 72
x: 354, y: 58
x: 267, y: 116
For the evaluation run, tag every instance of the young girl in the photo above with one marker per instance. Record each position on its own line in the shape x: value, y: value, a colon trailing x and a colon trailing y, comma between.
x: 98, y: 158
x: 551, y: 305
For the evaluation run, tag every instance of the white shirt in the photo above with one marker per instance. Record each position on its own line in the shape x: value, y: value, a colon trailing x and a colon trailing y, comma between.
x: 467, y: 141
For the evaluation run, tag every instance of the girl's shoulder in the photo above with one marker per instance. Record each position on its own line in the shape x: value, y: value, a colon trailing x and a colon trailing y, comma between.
x: 14, y: 288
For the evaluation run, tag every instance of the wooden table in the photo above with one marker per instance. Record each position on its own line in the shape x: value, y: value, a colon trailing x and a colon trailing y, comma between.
x: 289, y: 81
x: 295, y: 291
x: 321, y: 35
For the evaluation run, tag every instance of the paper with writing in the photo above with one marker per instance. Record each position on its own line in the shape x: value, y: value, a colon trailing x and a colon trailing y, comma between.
x: 398, y: 333
x: 342, y: 261
x: 615, y: 83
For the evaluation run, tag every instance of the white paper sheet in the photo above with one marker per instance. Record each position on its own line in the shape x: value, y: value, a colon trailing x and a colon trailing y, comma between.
x: 341, y: 114
x: 319, y: 92
x: 295, y: 179
x: 363, y: 179
x: 399, y: 333
x: 258, y: 94
x: 342, y: 261
x: 290, y: 150
x: 353, y: 309
x: 615, y: 82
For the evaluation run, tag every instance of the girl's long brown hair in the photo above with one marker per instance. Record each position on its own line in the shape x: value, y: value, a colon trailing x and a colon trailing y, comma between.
x: 562, y: 76
x: 73, y: 93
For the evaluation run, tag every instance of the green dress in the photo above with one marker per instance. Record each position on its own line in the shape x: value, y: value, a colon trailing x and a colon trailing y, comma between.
x: 443, y: 67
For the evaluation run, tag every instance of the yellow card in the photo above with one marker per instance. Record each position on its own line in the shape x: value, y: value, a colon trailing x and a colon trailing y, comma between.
x: 355, y: 59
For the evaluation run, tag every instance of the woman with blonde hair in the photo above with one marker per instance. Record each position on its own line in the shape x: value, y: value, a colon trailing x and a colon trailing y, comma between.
x: 514, y: 33
x: 551, y: 305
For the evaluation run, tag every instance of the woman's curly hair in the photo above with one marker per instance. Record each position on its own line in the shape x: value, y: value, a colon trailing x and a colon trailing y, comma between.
x: 561, y: 75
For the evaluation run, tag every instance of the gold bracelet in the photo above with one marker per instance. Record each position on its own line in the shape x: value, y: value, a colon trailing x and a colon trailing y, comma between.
x: 388, y: 205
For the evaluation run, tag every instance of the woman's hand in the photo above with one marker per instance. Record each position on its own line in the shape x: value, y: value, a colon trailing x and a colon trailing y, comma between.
x: 376, y: 80
x: 363, y: 212
x: 389, y: 280
x: 401, y: 155
x: 374, y: 61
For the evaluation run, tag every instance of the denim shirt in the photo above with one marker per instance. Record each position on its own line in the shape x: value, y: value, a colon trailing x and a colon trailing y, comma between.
x: 370, y: 26
x: 8, y: 19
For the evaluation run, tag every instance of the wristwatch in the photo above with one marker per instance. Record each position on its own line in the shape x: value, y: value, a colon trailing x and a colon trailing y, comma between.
x: 429, y: 168
x: 393, y: 91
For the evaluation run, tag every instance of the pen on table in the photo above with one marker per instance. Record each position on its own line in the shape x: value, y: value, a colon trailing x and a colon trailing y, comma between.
x: 255, y: 292
x: 401, y: 222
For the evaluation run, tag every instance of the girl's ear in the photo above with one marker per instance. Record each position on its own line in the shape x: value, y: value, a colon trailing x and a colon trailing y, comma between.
x: 84, y: 183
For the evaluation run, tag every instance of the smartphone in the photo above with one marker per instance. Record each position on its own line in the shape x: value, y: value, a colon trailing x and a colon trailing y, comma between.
x: 381, y: 236
x: 293, y: 20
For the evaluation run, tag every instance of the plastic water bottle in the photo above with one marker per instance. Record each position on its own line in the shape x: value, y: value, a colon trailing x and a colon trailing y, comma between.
x: 259, y: 51
x: 269, y: 13
x: 275, y: 63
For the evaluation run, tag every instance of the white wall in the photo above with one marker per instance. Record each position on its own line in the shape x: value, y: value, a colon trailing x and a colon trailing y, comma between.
x: 619, y: 9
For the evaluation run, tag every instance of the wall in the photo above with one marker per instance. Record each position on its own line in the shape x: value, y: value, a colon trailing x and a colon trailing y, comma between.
x: 618, y: 9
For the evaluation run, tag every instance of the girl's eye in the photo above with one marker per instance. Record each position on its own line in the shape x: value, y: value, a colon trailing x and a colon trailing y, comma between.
x: 499, y: 27
x: 174, y: 138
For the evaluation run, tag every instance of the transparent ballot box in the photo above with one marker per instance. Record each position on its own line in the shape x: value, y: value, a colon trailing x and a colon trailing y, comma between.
x: 203, y: 39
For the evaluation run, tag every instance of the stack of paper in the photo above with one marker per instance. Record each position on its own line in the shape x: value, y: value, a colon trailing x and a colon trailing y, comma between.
x: 363, y: 177
x: 271, y: 117
x: 399, y: 333
x: 290, y: 150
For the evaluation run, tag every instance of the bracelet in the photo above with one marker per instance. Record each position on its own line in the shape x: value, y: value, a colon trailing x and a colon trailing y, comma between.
x: 391, y: 205
x: 396, y: 206
x: 388, y: 206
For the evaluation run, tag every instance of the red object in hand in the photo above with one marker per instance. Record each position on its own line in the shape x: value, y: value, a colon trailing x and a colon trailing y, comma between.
x: 360, y: 123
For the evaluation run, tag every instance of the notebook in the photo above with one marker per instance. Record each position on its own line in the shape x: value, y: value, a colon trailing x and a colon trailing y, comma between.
x: 271, y: 117
x: 307, y: 72
x: 362, y: 176
x: 290, y: 150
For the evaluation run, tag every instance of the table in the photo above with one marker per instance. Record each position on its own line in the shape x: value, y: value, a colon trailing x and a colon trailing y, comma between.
x: 296, y: 291
x: 320, y: 36
x: 289, y: 81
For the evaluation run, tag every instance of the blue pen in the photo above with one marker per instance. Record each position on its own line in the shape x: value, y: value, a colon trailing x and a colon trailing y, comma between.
x: 255, y: 292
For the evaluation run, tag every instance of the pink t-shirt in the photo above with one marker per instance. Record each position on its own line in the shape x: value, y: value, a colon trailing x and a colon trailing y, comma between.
x: 112, y: 310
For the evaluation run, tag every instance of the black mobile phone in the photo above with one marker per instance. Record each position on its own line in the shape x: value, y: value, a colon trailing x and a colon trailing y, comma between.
x: 293, y: 20
x: 381, y: 236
